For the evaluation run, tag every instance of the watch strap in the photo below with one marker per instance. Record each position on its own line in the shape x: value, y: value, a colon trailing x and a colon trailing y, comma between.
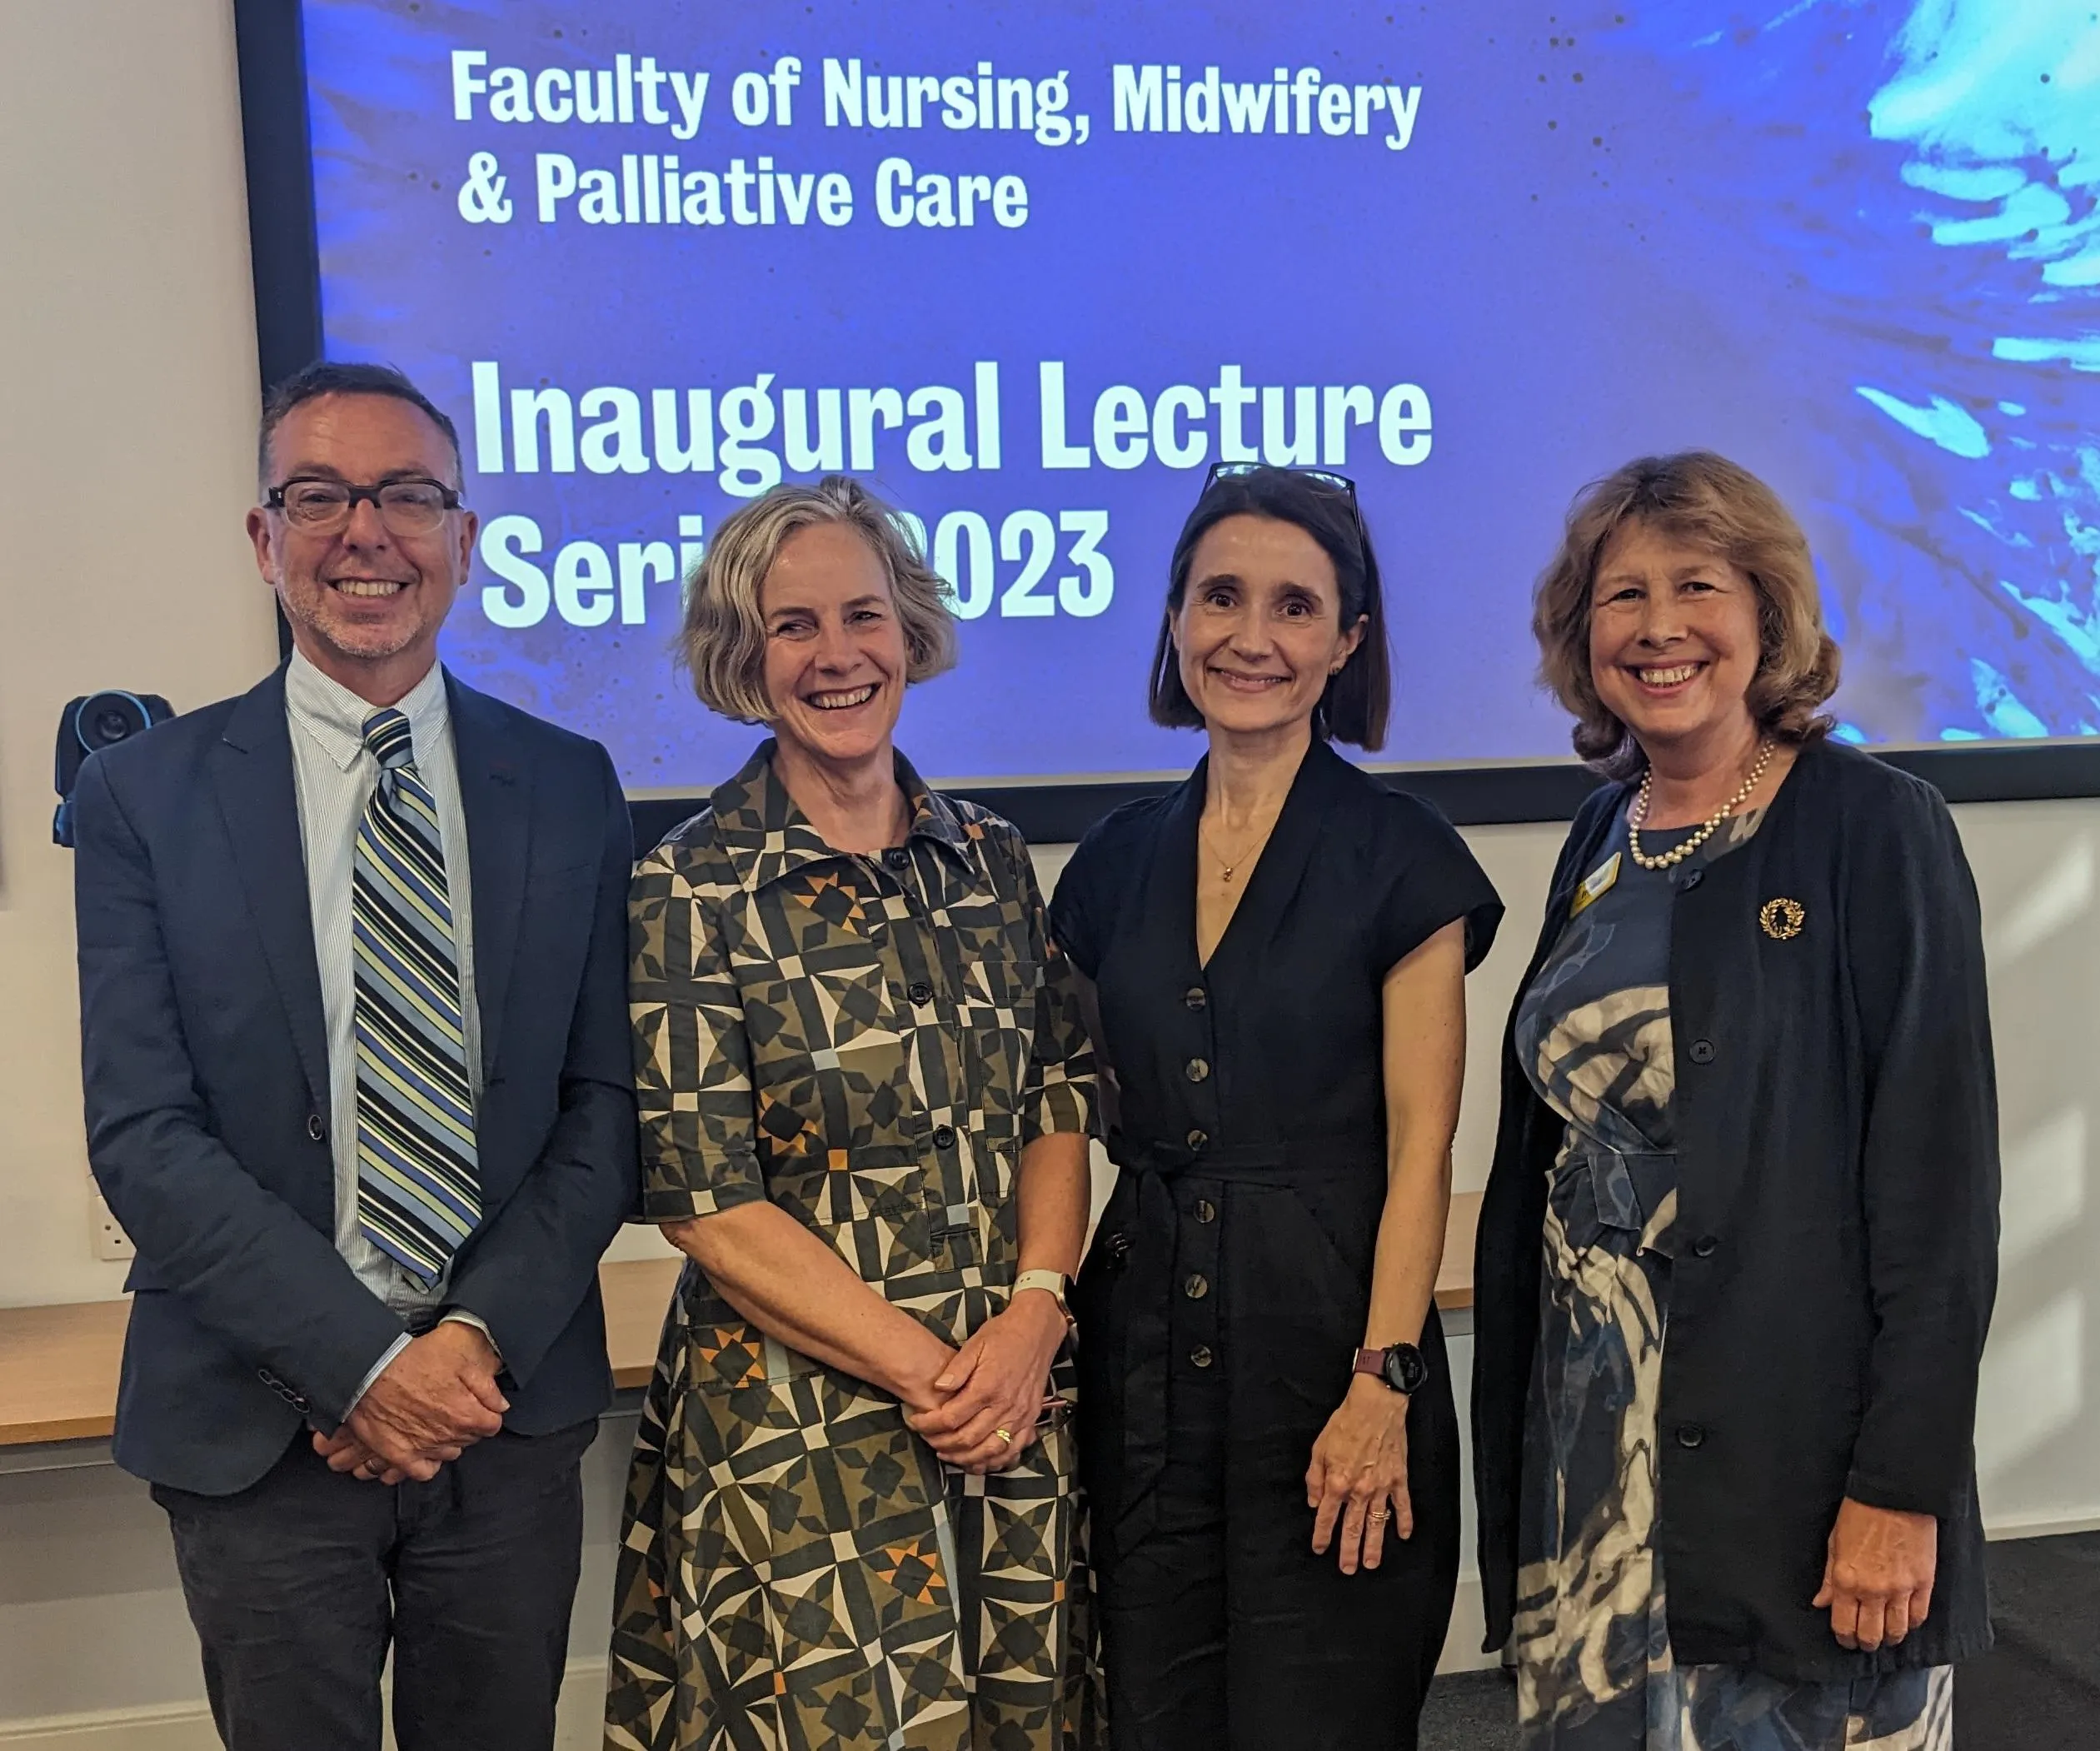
x: 1400, y: 1367
x: 1054, y: 1283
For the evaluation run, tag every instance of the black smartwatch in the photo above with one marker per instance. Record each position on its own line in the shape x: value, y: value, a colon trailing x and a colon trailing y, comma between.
x: 1400, y: 1366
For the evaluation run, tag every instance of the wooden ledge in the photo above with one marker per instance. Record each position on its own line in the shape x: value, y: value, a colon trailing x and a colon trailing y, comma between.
x: 58, y: 1364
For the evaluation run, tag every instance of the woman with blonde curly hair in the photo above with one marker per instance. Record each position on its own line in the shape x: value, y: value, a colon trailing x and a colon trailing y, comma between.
x: 1737, y: 1251
x: 866, y: 1093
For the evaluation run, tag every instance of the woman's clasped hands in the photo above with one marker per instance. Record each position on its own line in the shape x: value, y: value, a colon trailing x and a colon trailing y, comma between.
x: 981, y: 1411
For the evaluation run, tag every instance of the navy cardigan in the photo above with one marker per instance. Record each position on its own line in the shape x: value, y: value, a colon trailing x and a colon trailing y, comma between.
x: 1837, y: 1125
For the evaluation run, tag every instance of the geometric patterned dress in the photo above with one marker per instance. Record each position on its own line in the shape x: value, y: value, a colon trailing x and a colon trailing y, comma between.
x: 1594, y: 1669
x: 868, y: 1042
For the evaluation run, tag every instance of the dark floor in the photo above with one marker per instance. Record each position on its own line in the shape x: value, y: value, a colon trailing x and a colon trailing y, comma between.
x: 2038, y: 1690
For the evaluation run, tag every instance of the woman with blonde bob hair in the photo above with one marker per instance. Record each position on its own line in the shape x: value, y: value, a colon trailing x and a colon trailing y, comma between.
x: 865, y: 1095
x: 1738, y: 1247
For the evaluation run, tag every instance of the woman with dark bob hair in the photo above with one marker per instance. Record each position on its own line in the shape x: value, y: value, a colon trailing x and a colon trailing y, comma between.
x: 1277, y: 952
x: 1738, y: 1246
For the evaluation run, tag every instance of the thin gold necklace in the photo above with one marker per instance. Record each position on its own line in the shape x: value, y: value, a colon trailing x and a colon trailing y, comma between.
x: 1260, y: 839
x: 1637, y: 816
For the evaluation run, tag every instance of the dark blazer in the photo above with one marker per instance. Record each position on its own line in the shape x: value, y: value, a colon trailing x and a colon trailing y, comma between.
x: 1838, y: 1182
x: 205, y: 1061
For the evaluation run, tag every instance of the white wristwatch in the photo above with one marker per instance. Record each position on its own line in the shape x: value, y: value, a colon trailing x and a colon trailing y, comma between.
x: 1054, y: 1283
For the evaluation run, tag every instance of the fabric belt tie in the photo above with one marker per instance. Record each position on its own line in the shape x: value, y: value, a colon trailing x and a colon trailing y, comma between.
x: 1154, y: 1166
x: 1626, y: 1186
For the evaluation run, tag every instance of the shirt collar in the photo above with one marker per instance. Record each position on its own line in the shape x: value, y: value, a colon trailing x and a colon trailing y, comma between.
x: 765, y: 836
x: 334, y: 717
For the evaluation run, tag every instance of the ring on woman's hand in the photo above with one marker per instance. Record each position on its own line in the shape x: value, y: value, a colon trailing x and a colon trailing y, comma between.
x: 1005, y: 1438
x: 1380, y: 1516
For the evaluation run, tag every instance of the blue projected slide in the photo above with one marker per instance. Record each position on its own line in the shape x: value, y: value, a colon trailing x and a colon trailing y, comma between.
x: 1032, y: 268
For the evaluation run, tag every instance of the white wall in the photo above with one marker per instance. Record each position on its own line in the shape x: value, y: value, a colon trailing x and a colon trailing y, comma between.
x: 127, y: 348
x: 127, y: 345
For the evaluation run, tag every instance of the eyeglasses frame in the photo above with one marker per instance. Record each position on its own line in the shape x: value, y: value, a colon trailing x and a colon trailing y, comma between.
x: 273, y: 499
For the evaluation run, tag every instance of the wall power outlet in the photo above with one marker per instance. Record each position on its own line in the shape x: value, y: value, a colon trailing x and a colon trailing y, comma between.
x: 111, y: 1241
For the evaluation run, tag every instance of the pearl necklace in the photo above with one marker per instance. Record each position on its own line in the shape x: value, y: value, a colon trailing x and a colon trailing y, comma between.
x: 1677, y: 854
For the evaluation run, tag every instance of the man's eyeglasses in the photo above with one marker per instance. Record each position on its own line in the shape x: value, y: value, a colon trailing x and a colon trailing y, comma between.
x: 322, y: 506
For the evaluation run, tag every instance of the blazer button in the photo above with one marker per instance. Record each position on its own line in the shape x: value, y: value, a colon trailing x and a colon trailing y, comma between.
x: 1197, y: 1070
x: 943, y: 1136
x: 1195, y: 997
x: 1198, y: 1140
x: 1690, y: 1435
x: 1691, y: 881
x: 1702, y: 1051
x: 1197, y: 1287
x: 920, y: 991
x: 1200, y: 1356
x: 315, y: 1128
x: 1205, y: 1210
x: 1705, y: 1246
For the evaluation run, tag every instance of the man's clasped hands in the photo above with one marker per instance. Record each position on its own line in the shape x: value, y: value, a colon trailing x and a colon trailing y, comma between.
x: 429, y: 1404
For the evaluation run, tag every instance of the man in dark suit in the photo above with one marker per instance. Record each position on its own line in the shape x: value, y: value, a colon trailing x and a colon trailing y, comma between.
x: 353, y: 1013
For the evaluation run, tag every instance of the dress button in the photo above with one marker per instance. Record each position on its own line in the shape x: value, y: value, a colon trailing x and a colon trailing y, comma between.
x: 1200, y: 1356
x: 1205, y: 1210
x: 943, y: 1136
x: 315, y: 1128
x: 1198, y: 1140
x: 897, y: 857
x: 1691, y: 881
x: 1195, y: 997
x: 1705, y: 1246
x: 1197, y: 1287
x: 1689, y: 1434
x: 1197, y: 1070
x: 1702, y: 1051
x: 919, y: 991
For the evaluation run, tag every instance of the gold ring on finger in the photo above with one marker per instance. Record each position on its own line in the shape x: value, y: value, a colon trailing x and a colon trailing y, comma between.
x: 1007, y: 1438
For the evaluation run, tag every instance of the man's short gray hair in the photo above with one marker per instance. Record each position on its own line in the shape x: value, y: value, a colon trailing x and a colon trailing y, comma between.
x: 331, y: 377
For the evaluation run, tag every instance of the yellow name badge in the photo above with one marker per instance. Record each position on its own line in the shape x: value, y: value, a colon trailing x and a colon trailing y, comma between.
x: 1595, y: 885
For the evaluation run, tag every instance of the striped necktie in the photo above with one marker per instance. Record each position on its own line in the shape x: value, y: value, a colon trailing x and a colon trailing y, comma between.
x: 418, y: 1190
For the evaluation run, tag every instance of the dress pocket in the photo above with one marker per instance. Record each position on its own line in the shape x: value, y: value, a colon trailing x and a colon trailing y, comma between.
x: 825, y: 1041
x: 996, y: 1007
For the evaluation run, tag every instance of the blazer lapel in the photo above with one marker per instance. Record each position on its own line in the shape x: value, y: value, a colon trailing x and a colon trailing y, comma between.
x: 495, y: 793
x: 259, y: 802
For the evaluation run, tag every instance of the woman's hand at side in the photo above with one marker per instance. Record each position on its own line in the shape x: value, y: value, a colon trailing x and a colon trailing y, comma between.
x: 1877, y: 1574
x: 1357, y: 1482
x: 996, y: 1381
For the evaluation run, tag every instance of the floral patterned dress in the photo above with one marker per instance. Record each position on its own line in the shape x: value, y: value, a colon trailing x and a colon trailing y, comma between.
x: 868, y: 1042
x: 1594, y: 1669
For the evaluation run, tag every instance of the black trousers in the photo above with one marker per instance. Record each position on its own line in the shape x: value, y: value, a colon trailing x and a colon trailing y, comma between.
x: 1223, y: 1631
x: 298, y: 1584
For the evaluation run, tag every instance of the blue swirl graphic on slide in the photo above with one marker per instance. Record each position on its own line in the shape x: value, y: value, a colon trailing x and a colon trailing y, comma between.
x: 1943, y: 255
x: 1854, y: 246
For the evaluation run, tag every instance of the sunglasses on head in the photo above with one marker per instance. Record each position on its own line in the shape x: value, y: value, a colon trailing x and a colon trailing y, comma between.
x: 1324, y: 477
